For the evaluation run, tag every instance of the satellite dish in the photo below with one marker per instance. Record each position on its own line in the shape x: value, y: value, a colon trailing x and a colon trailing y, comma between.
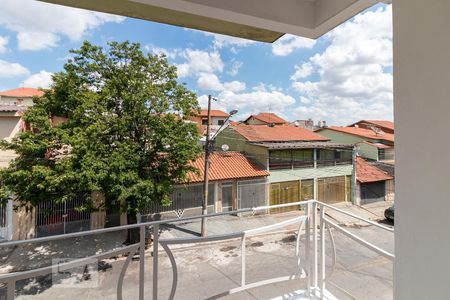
x: 225, y: 147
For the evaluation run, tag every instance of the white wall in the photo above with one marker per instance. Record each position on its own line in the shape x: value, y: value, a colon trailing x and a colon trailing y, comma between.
x: 10, y: 126
x: 13, y: 100
x: 422, y: 92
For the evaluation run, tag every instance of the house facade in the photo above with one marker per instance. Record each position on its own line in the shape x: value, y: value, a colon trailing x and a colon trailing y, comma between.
x: 218, y: 118
x: 384, y: 125
x: 235, y: 182
x: 373, y: 184
x: 13, y: 103
x: 372, y: 143
x: 302, y: 164
x: 265, y: 118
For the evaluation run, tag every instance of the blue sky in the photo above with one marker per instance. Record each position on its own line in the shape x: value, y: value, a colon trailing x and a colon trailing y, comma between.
x: 341, y: 77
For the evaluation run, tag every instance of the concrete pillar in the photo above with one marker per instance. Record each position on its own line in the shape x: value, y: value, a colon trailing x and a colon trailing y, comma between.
x: 217, y: 196
x: 9, y: 220
x: 24, y: 223
x: 235, y: 196
x: 422, y: 110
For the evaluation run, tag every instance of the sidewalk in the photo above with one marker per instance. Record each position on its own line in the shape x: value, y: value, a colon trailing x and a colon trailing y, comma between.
x: 373, y: 211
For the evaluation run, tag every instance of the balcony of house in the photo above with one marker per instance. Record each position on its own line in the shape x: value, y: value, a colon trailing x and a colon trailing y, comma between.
x: 302, y: 155
x: 386, y: 154
x: 334, y: 157
x: 303, y: 254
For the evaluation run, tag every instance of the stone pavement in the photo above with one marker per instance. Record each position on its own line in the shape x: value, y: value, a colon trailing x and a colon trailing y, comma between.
x: 373, y: 211
x: 210, y: 269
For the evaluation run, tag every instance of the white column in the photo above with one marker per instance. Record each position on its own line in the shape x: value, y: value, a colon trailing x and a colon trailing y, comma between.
x: 9, y: 220
x: 216, y: 196
x: 422, y: 118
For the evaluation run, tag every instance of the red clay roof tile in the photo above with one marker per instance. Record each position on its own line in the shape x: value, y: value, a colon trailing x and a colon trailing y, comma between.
x: 263, y: 133
x: 379, y: 123
x: 365, y: 172
x: 22, y: 92
x: 227, y: 166
x: 214, y: 113
x: 367, y: 133
x: 269, y: 118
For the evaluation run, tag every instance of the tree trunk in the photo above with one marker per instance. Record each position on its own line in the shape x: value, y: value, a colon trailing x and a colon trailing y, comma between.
x: 133, y: 233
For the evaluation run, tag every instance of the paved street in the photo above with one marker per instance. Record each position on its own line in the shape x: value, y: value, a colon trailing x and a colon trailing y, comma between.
x: 206, y: 270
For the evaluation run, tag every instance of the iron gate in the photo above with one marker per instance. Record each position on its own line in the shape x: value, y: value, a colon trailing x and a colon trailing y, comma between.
x: 54, y: 218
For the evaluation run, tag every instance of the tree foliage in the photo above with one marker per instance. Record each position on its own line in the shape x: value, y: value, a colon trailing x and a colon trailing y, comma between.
x: 124, y: 135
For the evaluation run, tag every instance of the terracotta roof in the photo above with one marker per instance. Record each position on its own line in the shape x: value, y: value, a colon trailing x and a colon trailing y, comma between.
x: 363, y: 132
x: 263, y: 133
x: 22, y: 92
x: 214, y: 113
x: 226, y: 166
x: 366, y: 172
x: 268, y: 118
x: 379, y: 123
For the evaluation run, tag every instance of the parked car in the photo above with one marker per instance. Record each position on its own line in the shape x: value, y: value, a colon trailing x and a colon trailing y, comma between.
x: 389, y: 213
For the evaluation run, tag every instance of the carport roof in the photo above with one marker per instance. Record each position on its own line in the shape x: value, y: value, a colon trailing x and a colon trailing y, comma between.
x: 366, y: 172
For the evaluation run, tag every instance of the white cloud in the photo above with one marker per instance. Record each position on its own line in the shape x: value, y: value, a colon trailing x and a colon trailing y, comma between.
x: 9, y: 70
x: 289, y: 43
x: 169, y: 53
x: 198, y: 61
x: 234, y: 86
x: 251, y: 102
x: 235, y: 66
x: 3, y: 42
x: 209, y: 81
x: 263, y: 87
x: 40, y: 25
x: 43, y: 79
x: 355, y: 81
x: 302, y: 71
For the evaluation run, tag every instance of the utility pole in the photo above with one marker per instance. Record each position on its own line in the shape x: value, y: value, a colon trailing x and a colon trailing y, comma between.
x: 205, y: 182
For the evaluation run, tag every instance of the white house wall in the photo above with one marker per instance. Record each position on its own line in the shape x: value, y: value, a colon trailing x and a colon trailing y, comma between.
x: 421, y: 111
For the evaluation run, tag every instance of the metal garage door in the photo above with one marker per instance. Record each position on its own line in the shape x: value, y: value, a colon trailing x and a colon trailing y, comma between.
x: 373, y: 192
x: 331, y: 189
x: 284, y: 192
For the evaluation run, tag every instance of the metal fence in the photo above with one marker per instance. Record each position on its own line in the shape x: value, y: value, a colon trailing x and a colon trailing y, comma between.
x: 62, y: 217
x: 182, y: 198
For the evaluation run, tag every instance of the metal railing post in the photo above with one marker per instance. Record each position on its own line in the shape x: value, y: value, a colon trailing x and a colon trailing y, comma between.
x: 315, y: 259
x: 141, y: 262
x: 308, y: 247
x: 243, y: 261
x: 10, y: 290
x: 322, y: 252
x: 155, y: 260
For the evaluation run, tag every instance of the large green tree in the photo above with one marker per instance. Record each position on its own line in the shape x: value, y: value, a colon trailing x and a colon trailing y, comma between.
x: 124, y: 136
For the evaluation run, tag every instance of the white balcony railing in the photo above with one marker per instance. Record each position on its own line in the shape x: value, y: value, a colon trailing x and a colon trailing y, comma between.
x: 314, y: 225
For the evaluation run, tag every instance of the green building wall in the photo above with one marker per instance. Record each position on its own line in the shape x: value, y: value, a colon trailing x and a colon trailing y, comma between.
x: 238, y: 143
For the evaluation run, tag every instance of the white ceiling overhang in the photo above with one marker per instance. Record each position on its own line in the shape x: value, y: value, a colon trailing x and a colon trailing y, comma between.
x: 261, y: 20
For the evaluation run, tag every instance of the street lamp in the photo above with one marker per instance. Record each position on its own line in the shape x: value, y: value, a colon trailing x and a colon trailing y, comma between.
x: 207, y: 162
